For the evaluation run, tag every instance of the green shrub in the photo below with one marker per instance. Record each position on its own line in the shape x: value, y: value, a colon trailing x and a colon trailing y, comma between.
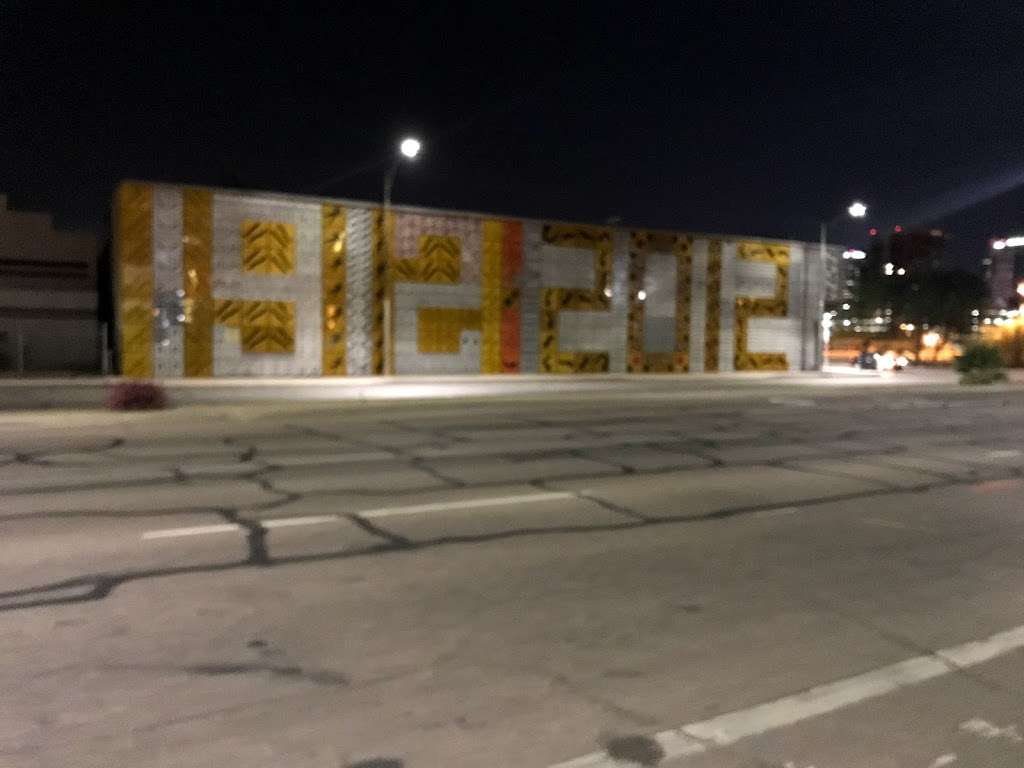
x: 981, y: 364
x: 982, y: 376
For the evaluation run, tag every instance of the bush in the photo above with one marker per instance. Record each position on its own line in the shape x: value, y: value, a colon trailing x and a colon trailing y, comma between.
x: 981, y: 364
x: 136, y: 396
x: 982, y: 376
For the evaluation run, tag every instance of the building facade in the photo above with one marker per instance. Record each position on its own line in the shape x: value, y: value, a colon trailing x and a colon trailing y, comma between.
x: 48, y: 296
x: 1005, y: 274
x: 231, y: 283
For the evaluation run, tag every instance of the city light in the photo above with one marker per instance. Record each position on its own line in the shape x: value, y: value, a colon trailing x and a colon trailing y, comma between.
x: 846, y: 306
x: 1020, y: 289
x: 826, y: 327
x: 410, y: 147
x: 901, y: 271
x: 889, y: 268
x: 607, y: 293
x: 1009, y: 242
x: 885, y: 362
x: 897, y: 229
x: 846, y: 323
x: 975, y: 312
x: 873, y: 231
x: 857, y: 210
x: 853, y: 253
x: 931, y: 339
x: 641, y: 294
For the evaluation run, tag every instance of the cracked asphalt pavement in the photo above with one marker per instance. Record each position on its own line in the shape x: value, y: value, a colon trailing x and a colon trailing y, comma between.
x: 830, y: 579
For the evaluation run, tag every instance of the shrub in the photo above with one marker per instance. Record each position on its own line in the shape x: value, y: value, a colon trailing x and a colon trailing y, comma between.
x: 136, y: 396
x: 982, y: 376
x: 981, y: 364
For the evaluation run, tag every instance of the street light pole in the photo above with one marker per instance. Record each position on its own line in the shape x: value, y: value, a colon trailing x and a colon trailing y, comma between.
x: 409, y: 148
x: 856, y: 210
x: 806, y: 280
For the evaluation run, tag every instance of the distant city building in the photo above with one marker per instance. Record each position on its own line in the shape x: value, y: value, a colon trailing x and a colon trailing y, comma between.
x: 48, y: 296
x: 842, y: 275
x: 1005, y: 272
x: 914, y: 251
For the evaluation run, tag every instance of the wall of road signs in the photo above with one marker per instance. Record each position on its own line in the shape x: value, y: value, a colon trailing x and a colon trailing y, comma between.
x: 231, y: 283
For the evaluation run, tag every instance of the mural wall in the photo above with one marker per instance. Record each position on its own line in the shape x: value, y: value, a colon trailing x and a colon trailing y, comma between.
x: 231, y: 283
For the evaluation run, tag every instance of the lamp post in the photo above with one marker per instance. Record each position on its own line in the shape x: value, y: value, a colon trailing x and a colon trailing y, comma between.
x: 408, y: 149
x: 856, y: 210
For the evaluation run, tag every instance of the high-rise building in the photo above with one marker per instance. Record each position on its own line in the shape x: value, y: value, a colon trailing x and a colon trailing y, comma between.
x: 914, y: 251
x: 1005, y: 273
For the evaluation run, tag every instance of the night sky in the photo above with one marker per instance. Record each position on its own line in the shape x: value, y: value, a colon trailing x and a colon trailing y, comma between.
x: 716, y: 117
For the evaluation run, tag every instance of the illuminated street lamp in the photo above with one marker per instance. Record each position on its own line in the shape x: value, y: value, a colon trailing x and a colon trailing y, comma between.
x: 856, y: 210
x: 408, y: 149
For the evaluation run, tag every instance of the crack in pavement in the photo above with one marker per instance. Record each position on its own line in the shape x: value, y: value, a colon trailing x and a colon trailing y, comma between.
x: 420, y: 463
x: 324, y: 677
x: 906, y: 643
x: 99, y: 586
x: 396, y: 539
x: 255, y: 537
x: 582, y: 495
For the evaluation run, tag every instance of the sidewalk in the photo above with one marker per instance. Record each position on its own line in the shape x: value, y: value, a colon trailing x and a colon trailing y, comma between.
x: 90, y: 392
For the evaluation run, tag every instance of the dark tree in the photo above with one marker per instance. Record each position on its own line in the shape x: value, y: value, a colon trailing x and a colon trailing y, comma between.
x: 939, y: 299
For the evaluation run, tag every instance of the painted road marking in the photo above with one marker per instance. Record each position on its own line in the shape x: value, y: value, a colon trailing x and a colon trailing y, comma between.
x: 285, y: 522
x: 731, y: 727
x: 413, y: 509
x: 985, y: 730
x: 1003, y: 454
x: 196, y: 530
x: 799, y: 402
x: 441, y: 506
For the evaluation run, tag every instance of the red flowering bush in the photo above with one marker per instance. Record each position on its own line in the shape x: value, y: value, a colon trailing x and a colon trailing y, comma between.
x: 136, y: 396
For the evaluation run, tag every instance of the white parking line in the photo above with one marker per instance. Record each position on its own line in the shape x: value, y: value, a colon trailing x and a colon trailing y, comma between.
x: 413, y: 509
x: 1003, y: 454
x: 196, y: 530
x: 731, y: 727
x: 441, y: 506
x: 285, y: 522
